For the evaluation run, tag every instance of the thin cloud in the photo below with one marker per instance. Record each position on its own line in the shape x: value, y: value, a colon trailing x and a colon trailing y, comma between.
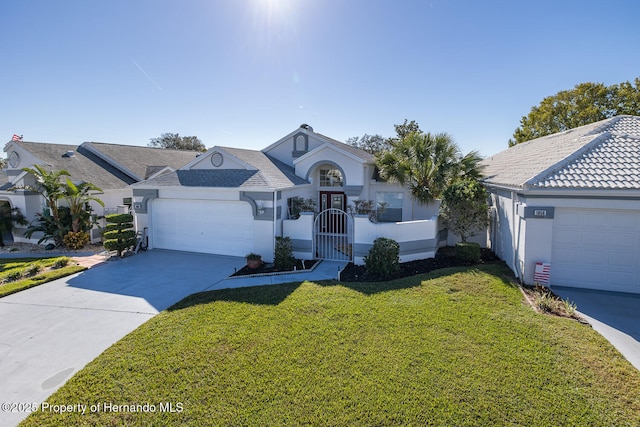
x: 146, y: 75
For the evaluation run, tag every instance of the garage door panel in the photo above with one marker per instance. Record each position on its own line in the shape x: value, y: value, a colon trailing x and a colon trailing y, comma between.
x: 593, y: 239
x: 624, y: 222
x: 567, y: 238
x: 596, y: 248
x: 220, y: 227
x: 593, y: 220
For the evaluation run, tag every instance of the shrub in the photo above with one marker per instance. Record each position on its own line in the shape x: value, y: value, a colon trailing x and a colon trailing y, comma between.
x: 119, y: 235
x: 468, y: 252
x: 544, y: 301
x: 32, y: 270
x: 14, y: 275
x: 283, y: 258
x: 76, y: 240
x: 61, y: 262
x: 383, y: 258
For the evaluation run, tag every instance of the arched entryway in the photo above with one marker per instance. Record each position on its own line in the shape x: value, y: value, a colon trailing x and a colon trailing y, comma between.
x: 333, y: 235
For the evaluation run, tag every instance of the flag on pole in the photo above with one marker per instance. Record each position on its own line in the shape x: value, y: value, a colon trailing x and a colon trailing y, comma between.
x: 16, y: 137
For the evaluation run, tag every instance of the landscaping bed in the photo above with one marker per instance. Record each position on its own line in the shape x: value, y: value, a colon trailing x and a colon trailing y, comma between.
x: 267, y: 268
x: 17, y: 274
x: 444, y: 258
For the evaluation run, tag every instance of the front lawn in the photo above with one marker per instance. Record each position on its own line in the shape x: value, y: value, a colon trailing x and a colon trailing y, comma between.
x: 17, y: 274
x: 453, y: 347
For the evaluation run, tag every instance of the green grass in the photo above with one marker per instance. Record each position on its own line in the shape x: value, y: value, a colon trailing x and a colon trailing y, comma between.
x: 456, y: 347
x: 26, y: 273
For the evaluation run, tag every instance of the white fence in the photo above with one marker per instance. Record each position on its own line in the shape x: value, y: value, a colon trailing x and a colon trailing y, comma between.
x: 417, y: 239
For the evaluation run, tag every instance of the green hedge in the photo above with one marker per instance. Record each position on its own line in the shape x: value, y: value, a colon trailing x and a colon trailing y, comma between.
x: 383, y: 258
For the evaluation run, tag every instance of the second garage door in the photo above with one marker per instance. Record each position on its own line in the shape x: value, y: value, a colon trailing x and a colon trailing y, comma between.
x: 216, y: 227
x: 597, y: 249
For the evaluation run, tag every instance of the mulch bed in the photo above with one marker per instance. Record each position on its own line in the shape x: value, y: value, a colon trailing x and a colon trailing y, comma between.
x: 269, y: 268
x: 444, y: 258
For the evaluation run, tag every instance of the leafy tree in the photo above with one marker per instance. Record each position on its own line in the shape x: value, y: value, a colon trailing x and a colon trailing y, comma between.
x: 370, y: 143
x: 9, y: 217
x: 405, y: 129
x: 585, y: 103
x: 427, y: 164
x: 464, y: 208
x: 78, y: 198
x: 176, y: 142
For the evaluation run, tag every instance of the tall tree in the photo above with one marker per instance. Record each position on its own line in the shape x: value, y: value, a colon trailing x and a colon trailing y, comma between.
x: 585, y: 103
x: 427, y: 163
x: 464, y: 208
x: 370, y: 143
x: 176, y: 142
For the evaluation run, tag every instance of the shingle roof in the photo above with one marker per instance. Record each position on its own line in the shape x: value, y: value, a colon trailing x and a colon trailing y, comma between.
x: 143, y: 161
x: 605, y: 154
x: 367, y: 157
x: 82, y: 165
x: 269, y: 173
x: 94, y: 161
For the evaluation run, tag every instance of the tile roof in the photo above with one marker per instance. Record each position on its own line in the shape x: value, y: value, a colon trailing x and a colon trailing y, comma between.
x: 601, y: 155
x: 269, y: 173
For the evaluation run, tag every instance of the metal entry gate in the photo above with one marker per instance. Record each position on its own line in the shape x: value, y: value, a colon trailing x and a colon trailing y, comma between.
x: 333, y: 235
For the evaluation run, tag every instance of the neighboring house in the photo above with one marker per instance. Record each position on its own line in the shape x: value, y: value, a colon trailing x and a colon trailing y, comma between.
x: 111, y: 167
x: 234, y: 201
x: 571, y: 199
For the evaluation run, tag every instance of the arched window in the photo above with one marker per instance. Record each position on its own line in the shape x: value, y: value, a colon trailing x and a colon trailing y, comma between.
x: 331, y: 177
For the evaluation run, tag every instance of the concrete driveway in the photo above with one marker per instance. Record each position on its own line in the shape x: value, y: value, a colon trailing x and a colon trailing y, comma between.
x: 616, y: 316
x: 50, y: 332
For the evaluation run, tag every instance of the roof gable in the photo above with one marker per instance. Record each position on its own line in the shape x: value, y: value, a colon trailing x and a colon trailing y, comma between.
x: 604, y: 154
x: 250, y: 169
x: 285, y: 150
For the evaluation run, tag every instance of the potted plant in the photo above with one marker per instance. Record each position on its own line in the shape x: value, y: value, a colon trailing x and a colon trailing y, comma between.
x: 254, y: 260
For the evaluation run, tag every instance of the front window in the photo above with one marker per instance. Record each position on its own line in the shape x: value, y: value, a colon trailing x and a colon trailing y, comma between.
x: 389, y: 205
x: 330, y: 178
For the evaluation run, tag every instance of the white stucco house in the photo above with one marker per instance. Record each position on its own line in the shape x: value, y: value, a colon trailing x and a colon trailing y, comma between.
x: 234, y: 201
x: 111, y: 167
x: 571, y: 199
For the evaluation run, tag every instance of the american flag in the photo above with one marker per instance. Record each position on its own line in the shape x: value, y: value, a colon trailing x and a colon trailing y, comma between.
x: 542, y: 273
x: 16, y: 137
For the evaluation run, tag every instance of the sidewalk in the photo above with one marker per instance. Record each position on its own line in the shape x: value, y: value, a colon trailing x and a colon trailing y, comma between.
x: 325, y: 270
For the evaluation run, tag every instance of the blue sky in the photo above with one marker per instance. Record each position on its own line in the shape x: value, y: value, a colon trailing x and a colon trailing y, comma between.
x: 244, y: 73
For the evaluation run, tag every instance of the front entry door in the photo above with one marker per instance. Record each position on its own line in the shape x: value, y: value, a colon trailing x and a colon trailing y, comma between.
x: 333, y: 200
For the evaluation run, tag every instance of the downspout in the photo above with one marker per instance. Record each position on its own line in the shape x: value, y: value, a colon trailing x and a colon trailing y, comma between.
x: 516, y: 241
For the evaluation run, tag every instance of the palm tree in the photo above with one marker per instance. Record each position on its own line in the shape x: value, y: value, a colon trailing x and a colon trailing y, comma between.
x: 49, y: 185
x: 78, y: 198
x: 427, y: 163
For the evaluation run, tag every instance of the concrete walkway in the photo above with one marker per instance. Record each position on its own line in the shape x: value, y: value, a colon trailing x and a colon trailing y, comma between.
x: 52, y: 331
x: 616, y: 316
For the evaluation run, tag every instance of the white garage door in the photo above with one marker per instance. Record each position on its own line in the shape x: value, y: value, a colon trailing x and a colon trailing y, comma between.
x: 597, y: 249
x: 216, y: 227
